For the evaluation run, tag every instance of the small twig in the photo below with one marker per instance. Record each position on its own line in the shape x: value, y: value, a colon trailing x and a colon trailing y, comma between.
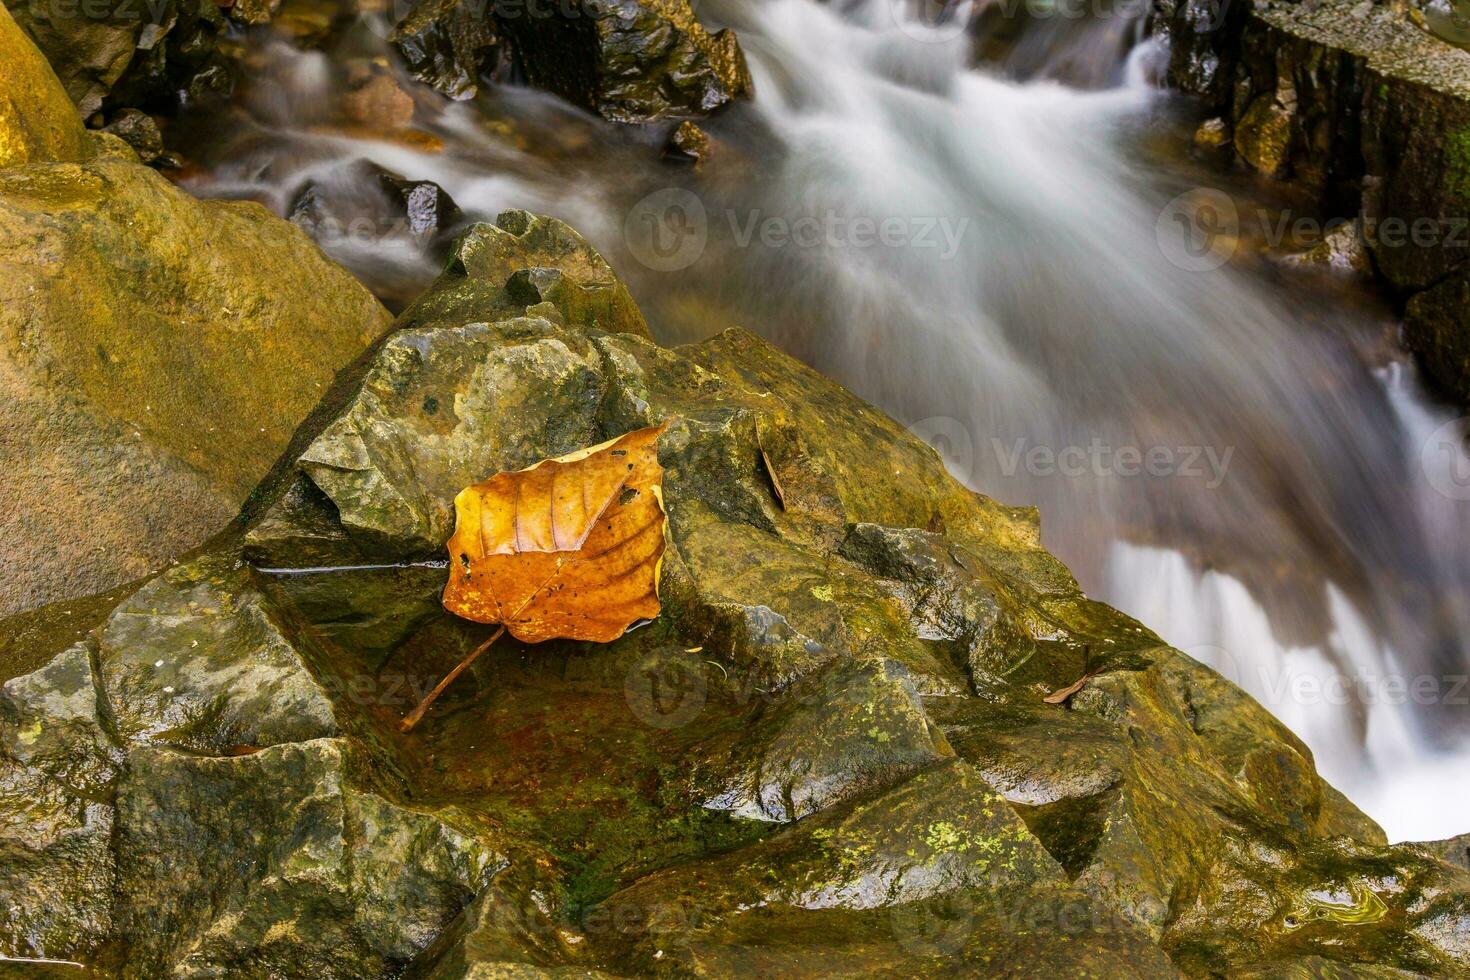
x: 1088, y: 673
x: 423, y: 706
x: 771, y: 471
x: 1060, y: 697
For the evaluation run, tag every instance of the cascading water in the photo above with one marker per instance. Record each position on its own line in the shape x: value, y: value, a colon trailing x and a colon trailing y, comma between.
x: 1245, y: 466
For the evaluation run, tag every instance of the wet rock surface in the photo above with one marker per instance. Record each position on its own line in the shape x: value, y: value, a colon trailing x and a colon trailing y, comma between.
x: 632, y: 60
x: 449, y: 44
x: 156, y: 354
x: 1365, y: 107
x: 829, y: 755
x: 119, y: 53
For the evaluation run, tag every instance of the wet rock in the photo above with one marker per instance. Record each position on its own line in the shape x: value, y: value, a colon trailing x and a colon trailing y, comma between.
x: 57, y: 766
x: 254, y: 11
x: 139, y: 131
x: 427, y: 208
x: 688, y: 144
x: 448, y: 45
x: 195, y: 660
x: 274, y: 864
x: 1342, y: 251
x: 113, y: 279
x: 1212, y: 133
x: 829, y: 754
x: 1263, y: 134
x: 379, y: 102
x: 1363, y: 107
x: 631, y: 60
x: 855, y: 727
x: 551, y: 263
x: 936, y: 871
x: 123, y: 54
x: 1455, y: 851
x: 361, y: 200
x: 38, y: 123
x: 1434, y: 327
x: 1334, y: 899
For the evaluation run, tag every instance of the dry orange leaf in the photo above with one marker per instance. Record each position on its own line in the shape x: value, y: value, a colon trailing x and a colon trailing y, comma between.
x: 567, y: 549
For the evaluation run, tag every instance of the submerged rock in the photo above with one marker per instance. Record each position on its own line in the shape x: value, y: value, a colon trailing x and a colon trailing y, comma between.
x: 156, y: 353
x: 830, y: 754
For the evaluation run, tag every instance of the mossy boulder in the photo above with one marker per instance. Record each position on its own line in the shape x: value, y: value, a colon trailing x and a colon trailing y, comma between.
x: 38, y: 123
x: 156, y: 354
x: 830, y: 754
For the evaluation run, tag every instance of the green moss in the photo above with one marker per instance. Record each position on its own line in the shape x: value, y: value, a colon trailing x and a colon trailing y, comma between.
x: 1457, y: 163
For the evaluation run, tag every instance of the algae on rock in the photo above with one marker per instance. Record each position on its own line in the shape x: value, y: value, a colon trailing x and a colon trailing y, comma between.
x: 156, y: 354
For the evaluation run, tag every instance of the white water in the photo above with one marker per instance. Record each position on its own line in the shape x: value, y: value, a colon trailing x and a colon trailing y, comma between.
x: 1029, y: 300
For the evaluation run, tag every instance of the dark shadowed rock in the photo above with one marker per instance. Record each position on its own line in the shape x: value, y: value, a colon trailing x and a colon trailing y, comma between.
x: 449, y: 44
x: 630, y: 60
x: 139, y: 131
x: 124, y: 53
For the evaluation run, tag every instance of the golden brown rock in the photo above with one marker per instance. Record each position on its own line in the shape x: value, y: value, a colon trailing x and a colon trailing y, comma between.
x: 37, y: 120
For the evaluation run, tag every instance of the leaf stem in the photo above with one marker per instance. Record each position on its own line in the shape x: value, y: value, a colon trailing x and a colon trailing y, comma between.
x: 423, y: 706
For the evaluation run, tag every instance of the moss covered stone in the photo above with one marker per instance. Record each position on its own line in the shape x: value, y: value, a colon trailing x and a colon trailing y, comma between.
x: 830, y: 754
x: 156, y: 354
x: 38, y: 123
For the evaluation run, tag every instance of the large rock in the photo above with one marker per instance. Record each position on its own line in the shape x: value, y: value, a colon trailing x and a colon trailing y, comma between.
x: 156, y: 353
x: 829, y: 755
x: 449, y: 45
x: 38, y: 123
x: 630, y: 60
x: 1360, y: 105
x: 128, y: 52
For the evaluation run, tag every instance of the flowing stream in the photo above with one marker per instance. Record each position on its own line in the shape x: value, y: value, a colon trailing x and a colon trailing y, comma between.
x: 1009, y: 260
